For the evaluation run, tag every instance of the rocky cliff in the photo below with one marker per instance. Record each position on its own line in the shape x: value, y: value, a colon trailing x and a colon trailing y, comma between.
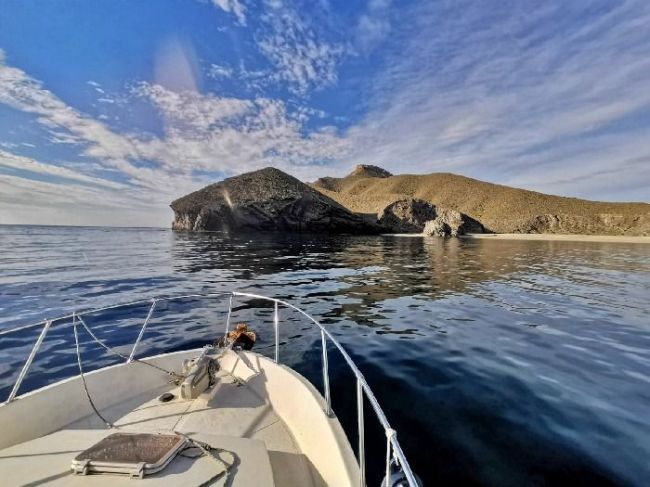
x: 268, y: 199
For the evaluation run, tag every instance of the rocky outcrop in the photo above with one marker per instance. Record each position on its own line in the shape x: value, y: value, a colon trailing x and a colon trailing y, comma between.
x: 414, y: 215
x: 451, y: 223
x: 598, y: 224
x: 406, y: 216
x: 268, y: 199
x: 272, y: 200
x: 369, y: 171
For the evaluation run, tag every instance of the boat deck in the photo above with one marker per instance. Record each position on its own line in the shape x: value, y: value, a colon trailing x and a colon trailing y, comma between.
x: 231, y: 416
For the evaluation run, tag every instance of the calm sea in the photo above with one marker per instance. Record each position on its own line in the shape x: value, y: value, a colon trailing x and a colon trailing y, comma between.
x: 502, y: 363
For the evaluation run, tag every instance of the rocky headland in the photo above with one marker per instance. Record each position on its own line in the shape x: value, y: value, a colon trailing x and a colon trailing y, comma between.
x: 372, y: 200
x: 268, y: 199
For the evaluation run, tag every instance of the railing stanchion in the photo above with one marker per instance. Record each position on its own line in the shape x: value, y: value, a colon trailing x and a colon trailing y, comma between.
x: 28, y: 363
x: 277, y: 333
x: 362, y: 449
x: 389, y: 436
x: 326, y: 375
x: 228, y: 317
x: 144, y: 326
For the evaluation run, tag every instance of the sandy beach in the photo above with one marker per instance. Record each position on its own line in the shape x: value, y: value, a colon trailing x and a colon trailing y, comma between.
x: 543, y: 236
x: 554, y: 237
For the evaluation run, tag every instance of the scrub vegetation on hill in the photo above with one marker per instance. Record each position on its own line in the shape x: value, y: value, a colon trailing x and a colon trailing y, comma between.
x: 501, y: 209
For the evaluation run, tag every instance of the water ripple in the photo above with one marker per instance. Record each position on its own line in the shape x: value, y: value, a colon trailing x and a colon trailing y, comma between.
x: 500, y: 363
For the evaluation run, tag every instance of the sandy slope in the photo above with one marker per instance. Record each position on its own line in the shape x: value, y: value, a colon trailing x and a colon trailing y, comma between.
x: 500, y: 208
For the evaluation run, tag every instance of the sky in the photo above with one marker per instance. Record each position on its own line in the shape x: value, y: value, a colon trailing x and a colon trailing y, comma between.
x: 109, y: 110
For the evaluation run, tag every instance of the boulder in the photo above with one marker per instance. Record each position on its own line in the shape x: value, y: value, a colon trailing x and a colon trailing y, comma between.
x: 451, y: 223
x: 412, y: 215
x: 406, y: 216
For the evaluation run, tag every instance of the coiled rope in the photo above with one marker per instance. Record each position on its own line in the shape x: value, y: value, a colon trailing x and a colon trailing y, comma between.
x: 206, y: 450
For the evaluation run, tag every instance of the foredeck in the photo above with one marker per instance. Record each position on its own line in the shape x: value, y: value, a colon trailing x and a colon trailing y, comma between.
x: 232, y: 416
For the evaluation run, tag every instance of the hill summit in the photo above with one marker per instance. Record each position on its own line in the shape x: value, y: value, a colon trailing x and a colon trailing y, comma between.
x: 369, y: 171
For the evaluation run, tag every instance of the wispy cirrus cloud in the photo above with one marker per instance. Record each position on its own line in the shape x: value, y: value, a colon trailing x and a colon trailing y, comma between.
x: 27, y: 200
x: 218, y: 71
x: 301, y: 56
x: 27, y: 164
x: 513, y: 94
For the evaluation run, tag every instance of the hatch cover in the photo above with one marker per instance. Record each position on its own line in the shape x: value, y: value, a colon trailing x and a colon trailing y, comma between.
x: 134, y: 454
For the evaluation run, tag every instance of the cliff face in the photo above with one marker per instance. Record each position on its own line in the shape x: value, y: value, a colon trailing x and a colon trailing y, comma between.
x: 597, y: 224
x: 268, y: 199
x: 498, y: 208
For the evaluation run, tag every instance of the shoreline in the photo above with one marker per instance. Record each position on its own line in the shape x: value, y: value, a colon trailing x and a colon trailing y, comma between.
x: 552, y: 237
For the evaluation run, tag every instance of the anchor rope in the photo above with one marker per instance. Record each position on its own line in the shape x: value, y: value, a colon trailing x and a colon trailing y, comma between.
x: 115, y: 352
x: 83, y: 378
x: 206, y: 450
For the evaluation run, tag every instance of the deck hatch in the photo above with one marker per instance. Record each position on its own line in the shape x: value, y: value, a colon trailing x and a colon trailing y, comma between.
x: 134, y: 454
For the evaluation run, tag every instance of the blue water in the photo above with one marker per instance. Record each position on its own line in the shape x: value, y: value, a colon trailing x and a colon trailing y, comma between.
x: 498, y: 362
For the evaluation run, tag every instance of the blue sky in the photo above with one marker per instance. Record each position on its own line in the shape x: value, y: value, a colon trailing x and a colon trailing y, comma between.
x: 111, y: 109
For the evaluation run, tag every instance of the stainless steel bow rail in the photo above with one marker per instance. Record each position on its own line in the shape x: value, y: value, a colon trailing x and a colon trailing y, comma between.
x: 393, y: 449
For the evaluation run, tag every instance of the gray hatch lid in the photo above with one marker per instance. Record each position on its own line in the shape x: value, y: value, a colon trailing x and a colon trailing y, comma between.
x: 133, y: 454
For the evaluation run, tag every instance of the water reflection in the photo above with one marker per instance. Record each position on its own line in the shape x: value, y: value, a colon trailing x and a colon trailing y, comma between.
x: 500, y: 362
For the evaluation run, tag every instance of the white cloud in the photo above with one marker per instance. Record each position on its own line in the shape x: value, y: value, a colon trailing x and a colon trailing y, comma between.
x: 218, y: 71
x: 29, y: 201
x: 374, y: 25
x: 14, y: 161
x: 297, y: 51
x: 235, y: 7
x: 191, y: 110
x: 219, y: 134
x: 299, y: 57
